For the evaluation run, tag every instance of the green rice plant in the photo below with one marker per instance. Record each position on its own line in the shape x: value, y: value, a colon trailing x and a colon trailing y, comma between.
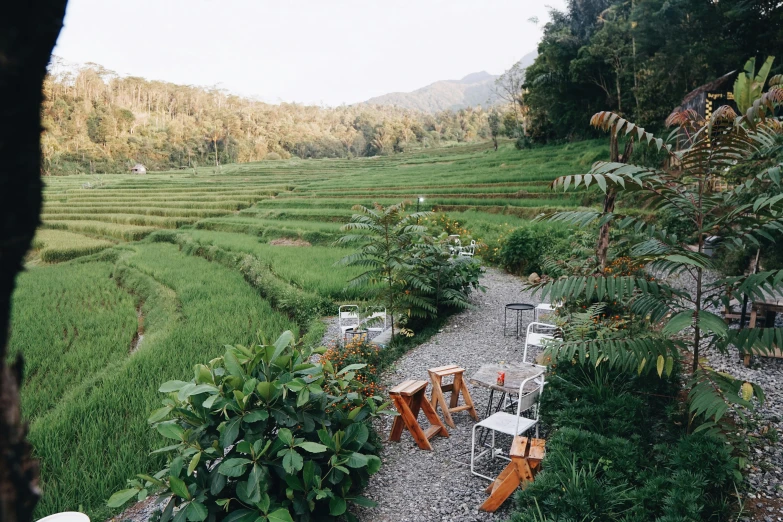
x: 126, y: 232
x: 97, y: 435
x: 55, y: 246
x: 124, y: 219
x: 69, y: 321
x: 310, y: 268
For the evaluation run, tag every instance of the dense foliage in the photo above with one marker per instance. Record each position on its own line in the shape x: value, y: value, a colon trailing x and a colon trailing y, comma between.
x: 688, y: 185
x: 410, y: 273
x: 639, y: 58
x: 261, y: 433
x: 617, y: 453
x: 96, y: 121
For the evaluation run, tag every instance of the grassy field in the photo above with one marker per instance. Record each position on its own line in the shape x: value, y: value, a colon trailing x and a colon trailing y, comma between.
x: 171, y: 266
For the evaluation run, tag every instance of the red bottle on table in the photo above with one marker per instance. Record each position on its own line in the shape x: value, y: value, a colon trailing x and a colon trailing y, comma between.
x: 501, y: 378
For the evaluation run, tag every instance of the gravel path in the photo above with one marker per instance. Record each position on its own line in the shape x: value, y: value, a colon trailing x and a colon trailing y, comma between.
x: 421, y: 486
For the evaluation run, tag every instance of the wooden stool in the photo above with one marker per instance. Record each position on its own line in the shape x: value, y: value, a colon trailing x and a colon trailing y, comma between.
x: 526, y: 456
x: 409, y: 398
x: 457, y: 387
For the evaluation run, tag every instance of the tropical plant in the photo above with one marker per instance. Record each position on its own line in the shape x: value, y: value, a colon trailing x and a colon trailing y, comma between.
x: 263, y: 434
x: 743, y: 215
x: 386, y: 235
x: 747, y: 87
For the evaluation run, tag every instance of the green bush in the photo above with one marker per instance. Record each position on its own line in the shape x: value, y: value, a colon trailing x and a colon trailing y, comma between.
x: 615, y: 453
x: 524, y: 250
x: 263, y: 434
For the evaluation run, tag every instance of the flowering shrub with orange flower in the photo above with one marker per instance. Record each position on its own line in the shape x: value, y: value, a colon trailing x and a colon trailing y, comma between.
x: 359, y: 352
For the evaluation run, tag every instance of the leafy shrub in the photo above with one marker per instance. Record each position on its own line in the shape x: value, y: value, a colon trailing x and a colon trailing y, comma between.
x: 263, y: 434
x: 616, y: 455
x: 359, y: 352
x: 273, y: 156
x: 524, y: 250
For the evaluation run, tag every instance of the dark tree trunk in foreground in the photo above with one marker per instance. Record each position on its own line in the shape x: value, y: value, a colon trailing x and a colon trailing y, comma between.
x: 28, y: 32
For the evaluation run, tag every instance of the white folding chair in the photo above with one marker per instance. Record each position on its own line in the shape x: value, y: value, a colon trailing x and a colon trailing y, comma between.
x: 538, y: 334
x: 509, y: 423
x: 377, y: 321
x: 348, y: 319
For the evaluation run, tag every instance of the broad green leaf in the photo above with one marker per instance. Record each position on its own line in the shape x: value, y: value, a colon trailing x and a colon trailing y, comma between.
x: 121, y: 497
x: 373, y: 464
x: 363, y: 501
x: 660, y: 365
x: 230, y: 432
x: 170, y: 430
x: 280, y: 515
x: 669, y: 365
x: 159, y: 414
x: 234, y: 467
x: 641, y: 365
x: 292, y: 461
x: 193, y: 463
x: 350, y: 368
x: 337, y: 506
x: 285, y: 435
x: 179, y: 488
x: 172, y: 386
x: 196, y: 511
x: 312, y: 447
x: 232, y: 365
x: 357, y: 460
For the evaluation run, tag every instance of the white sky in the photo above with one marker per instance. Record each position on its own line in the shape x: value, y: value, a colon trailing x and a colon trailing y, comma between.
x: 310, y: 51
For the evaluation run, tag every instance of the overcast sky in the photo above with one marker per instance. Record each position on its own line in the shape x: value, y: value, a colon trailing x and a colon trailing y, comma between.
x: 318, y: 51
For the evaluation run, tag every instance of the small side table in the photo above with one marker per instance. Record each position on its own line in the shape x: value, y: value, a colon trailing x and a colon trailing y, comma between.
x: 518, y: 308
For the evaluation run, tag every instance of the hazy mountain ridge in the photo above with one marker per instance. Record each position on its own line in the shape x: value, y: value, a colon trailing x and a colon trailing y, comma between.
x: 471, y: 90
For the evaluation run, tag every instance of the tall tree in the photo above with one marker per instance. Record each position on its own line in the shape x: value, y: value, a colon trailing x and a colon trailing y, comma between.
x: 28, y: 32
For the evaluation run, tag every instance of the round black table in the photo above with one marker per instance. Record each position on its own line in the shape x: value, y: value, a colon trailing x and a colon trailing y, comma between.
x: 518, y: 308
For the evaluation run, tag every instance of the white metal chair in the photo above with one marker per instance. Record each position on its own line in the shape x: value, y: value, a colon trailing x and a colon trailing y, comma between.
x: 348, y: 319
x: 544, y: 309
x: 509, y: 423
x: 538, y: 334
x: 377, y: 321
x: 469, y: 250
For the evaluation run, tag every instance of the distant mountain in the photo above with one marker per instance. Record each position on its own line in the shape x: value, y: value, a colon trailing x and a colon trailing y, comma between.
x: 473, y: 89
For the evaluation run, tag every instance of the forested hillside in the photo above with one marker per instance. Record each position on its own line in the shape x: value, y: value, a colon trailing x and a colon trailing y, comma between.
x: 640, y: 58
x: 96, y: 121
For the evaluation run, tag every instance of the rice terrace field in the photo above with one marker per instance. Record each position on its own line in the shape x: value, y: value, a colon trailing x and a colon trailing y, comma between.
x: 134, y: 279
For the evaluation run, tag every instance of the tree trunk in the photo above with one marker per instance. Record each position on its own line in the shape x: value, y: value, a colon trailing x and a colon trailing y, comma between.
x: 29, y: 30
x: 602, y: 248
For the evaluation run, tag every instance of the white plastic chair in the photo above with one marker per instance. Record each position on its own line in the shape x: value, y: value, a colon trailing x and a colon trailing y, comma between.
x: 348, y: 318
x: 509, y: 423
x: 546, y: 332
x: 377, y: 321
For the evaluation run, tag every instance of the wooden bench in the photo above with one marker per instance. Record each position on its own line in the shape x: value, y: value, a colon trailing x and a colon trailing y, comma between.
x: 457, y: 387
x: 409, y: 399
x: 526, y: 456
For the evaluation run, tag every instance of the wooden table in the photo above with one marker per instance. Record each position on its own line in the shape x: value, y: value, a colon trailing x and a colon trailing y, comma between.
x: 487, y: 376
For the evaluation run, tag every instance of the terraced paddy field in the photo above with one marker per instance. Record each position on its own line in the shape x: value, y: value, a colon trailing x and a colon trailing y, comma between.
x: 134, y: 279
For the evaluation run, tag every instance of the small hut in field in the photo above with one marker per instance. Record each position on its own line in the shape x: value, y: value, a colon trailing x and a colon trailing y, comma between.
x: 139, y: 169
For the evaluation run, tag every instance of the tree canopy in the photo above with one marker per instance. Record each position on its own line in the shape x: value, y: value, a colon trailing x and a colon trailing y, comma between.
x: 639, y: 58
